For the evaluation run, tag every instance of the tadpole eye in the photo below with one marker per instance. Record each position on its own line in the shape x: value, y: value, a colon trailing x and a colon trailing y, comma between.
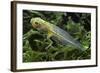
x: 36, y: 23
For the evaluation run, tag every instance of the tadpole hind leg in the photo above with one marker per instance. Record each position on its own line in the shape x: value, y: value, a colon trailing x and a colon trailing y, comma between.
x: 50, y: 44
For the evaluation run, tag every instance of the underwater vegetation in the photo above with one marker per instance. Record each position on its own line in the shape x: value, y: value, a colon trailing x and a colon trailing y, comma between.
x: 37, y: 47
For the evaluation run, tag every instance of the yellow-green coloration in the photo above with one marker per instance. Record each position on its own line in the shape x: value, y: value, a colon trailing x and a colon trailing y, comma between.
x: 54, y: 31
x: 42, y: 25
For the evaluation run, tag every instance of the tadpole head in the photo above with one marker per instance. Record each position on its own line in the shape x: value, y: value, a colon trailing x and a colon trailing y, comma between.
x: 35, y: 23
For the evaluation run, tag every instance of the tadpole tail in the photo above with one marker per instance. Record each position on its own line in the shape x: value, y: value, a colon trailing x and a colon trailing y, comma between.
x: 64, y: 37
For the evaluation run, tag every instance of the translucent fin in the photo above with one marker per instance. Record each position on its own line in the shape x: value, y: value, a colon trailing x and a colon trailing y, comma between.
x: 59, y: 40
x: 65, y: 37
